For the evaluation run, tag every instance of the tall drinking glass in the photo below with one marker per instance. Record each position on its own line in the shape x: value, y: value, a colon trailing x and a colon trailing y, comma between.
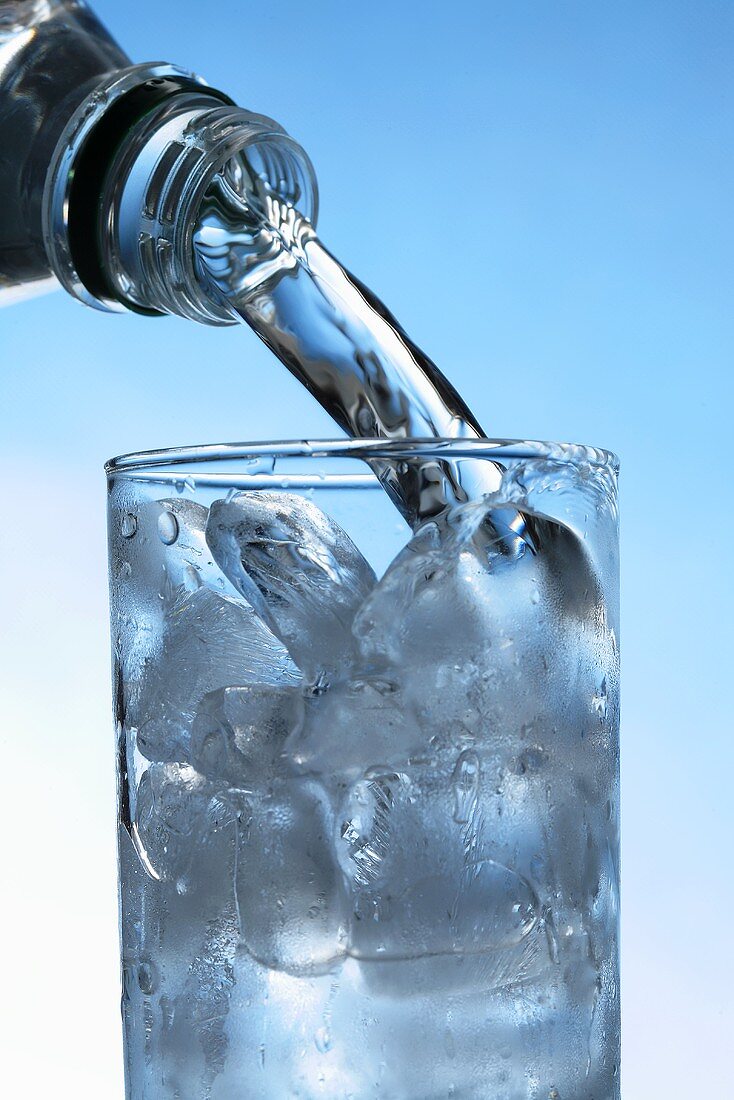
x: 368, y: 773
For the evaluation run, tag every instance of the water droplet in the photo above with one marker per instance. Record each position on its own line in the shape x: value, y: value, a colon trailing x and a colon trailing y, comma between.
x: 465, y: 785
x: 554, y: 1094
x: 167, y: 528
x: 129, y: 525
x: 531, y: 760
x: 147, y: 977
x: 535, y: 596
x: 125, y: 569
x: 322, y: 1039
x: 192, y: 579
x: 448, y: 1043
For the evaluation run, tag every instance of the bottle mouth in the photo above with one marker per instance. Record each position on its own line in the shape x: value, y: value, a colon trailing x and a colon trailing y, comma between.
x: 129, y: 176
x: 154, y: 212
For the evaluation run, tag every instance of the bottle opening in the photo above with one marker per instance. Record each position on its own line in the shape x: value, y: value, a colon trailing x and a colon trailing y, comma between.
x: 134, y: 169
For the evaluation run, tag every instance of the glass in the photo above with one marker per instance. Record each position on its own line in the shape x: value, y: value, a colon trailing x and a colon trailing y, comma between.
x: 368, y: 828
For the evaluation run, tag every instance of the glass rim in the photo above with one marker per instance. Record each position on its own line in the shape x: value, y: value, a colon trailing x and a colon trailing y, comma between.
x: 137, y: 464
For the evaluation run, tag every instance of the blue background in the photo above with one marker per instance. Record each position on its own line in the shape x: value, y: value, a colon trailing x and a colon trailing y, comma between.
x: 543, y: 194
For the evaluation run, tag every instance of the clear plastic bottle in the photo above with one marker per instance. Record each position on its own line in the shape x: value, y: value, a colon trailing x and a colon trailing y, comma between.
x: 104, y: 165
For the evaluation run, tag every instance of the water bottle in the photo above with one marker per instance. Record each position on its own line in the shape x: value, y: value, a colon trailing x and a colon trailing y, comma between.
x: 104, y: 165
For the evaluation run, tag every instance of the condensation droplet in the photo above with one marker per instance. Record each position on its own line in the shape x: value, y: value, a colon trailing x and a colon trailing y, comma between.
x: 192, y: 578
x: 465, y: 785
x: 531, y: 760
x: 167, y: 528
x: 129, y: 525
x: 147, y: 977
x: 322, y: 1039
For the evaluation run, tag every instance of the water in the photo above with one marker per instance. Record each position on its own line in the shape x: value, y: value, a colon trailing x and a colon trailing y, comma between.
x: 265, y: 259
x: 369, y: 828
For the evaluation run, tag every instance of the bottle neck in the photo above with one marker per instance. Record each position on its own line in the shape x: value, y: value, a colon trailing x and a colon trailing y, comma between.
x: 128, y: 181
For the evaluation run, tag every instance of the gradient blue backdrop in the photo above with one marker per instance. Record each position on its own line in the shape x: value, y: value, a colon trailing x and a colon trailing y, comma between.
x: 543, y: 194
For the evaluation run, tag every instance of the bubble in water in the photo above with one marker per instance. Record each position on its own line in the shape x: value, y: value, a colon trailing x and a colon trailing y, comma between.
x: 167, y: 528
x: 465, y: 785
x: 129, y: 525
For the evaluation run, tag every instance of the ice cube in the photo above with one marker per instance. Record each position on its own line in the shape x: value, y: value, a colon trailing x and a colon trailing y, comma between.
x: 209, y: 642
x: 483, y: 643
x: 471, y: 931
x: 239, y: 733
x: 353, y: 725
x: 426, y: 896
x: 175, y: 807
x: 291, y: 903
x: 299, y: 570
x: 485, y: 906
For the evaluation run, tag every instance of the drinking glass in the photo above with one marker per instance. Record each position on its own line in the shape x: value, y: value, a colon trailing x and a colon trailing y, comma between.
x: 368, y: 771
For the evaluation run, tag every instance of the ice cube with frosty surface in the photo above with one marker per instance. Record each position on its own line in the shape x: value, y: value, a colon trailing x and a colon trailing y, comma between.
x: 339, y: 733
x: 291, y: 906
x: 210, y: 641
x: 239, y: 733
x: 430, y: 910
x: 176, y: 809
x: 290, y: 900
x: 484, y: 643
x: 297, y: 567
